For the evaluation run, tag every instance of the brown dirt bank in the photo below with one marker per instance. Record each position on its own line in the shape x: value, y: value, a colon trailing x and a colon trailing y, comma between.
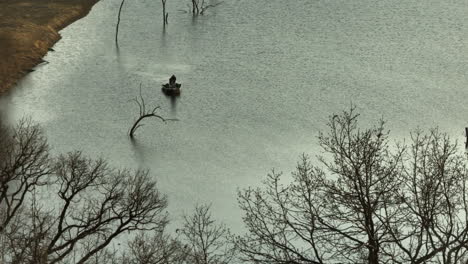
x: 28, y: 28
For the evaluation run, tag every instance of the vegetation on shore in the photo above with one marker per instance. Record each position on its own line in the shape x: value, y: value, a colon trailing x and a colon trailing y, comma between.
x: 28, y: 29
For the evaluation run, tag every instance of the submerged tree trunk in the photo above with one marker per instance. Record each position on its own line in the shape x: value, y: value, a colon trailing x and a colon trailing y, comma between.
x: 195, y: 9
x: 118, y: 23
x: 165, y: 15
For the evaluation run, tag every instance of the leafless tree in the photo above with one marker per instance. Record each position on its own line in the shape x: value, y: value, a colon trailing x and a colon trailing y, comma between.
x: 24, y: 165
x: 207, y: 241
x: 160, y: 248
x: 25, y: 237
x: 100, y: 204
x: 200, y: 241
x: 143, y: 113
x: 87, y: 205
x: 431, y: 224
x: 365, y: 204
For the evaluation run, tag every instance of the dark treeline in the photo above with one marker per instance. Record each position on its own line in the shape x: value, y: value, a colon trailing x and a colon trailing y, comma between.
x: 364, y: 201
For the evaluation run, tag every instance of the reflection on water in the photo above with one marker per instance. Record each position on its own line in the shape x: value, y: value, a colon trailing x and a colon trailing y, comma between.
x: 259, y: 79
x: 138, y: 149
x: 173, y: 100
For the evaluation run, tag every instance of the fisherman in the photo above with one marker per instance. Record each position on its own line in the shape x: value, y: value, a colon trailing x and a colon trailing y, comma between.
x: 172, y: 80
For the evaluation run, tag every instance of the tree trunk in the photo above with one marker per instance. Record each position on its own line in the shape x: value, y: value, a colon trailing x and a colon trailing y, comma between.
x: 118, y: 24
x: 373, y: 257
x: 164, y: 12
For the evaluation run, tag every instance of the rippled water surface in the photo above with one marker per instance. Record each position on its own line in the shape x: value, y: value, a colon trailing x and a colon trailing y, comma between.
x: 259, y: 80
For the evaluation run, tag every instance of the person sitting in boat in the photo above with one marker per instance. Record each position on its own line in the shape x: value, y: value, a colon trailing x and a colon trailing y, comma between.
x: 172, y: 80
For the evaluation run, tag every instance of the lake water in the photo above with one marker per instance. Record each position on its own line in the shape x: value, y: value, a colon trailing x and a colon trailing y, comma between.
x: 259, y: 80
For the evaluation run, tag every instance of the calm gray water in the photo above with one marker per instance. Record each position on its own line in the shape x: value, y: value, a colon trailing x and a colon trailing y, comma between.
x: 259, y: 80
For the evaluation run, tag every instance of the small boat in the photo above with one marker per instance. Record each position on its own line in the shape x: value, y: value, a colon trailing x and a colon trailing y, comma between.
x: 171, y: 90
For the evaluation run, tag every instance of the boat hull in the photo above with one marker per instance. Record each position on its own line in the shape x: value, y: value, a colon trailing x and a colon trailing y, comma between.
x: 171, y: 90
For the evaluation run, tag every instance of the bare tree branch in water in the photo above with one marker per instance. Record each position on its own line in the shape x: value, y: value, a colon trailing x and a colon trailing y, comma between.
x: 165, y: 14
x: 143, y: 113
x: 199, y: 6
x: 204, y: 7
x: 367, y: 203
x: 195, y: 9
x: 118, y: 23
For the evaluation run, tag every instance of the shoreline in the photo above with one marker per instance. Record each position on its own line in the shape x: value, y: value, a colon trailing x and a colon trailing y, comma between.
x: 28, y: 29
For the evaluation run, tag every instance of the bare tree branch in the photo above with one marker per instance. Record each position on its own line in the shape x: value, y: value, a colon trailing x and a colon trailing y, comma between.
x: 143, y: 113
x: 367, y: 203
x: 207, y: 241
x: 87, y: 202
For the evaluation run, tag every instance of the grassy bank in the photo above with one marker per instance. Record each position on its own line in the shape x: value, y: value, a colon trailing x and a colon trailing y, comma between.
x: 28, y: 28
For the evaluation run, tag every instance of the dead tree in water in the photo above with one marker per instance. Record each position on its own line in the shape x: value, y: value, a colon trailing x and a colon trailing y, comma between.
x: 195, y: 9
x: 165, y: 14
x: 144, y: 114
x: 204, y: 7
x: 118, y: 23
x: 199, y: 7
